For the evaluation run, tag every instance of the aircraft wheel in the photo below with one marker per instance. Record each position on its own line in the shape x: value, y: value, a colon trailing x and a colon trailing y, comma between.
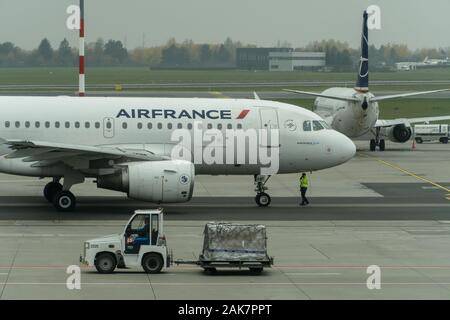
x: 263, y: 199
x: 64, y: 201
x: 382, y: 145
x: 373, y: 145
x: 51, y: 189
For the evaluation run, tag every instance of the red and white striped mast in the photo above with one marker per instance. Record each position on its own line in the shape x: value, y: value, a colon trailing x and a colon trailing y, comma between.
x: 82, y: 83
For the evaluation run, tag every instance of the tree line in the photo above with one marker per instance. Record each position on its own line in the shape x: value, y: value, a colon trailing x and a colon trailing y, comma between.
x: 112, y: 53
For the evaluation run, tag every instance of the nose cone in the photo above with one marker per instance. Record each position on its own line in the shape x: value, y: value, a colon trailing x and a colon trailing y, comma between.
x: 344, y: 148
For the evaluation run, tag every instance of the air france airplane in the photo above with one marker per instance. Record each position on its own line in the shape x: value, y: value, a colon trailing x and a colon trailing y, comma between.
x: 126, y: 144
x: 354, y: 111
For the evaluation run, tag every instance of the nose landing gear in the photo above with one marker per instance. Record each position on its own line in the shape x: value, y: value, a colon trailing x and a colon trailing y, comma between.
x: 262, y: 199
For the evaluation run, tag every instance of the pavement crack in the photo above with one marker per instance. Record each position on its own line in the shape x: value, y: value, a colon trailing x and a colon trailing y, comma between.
x: 321, y: 252
x: 10, y: 269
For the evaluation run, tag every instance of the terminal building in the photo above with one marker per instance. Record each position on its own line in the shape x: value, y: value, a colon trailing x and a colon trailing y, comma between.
x: 278, y: 59
x: 296, y: 61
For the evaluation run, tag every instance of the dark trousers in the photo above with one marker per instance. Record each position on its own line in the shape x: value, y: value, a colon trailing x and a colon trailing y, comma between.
x: 303, y: 193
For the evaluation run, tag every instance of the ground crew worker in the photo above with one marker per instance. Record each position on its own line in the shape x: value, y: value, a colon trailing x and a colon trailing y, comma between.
x: 304, y: 184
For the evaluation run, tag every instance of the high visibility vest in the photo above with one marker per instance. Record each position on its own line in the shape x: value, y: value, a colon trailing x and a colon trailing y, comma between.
x: 304, y: 182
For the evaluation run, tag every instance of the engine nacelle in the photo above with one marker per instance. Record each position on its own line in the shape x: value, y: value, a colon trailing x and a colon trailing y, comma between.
x: 153, y: 181
x: 399, y: 133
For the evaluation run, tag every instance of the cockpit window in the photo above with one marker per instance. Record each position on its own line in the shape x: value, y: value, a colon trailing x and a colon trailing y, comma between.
x: 307, y: 125
x: 325, y: 125
x: 317, y: 126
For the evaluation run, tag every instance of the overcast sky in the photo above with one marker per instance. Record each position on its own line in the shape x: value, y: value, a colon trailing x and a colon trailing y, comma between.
x: 417, y: 23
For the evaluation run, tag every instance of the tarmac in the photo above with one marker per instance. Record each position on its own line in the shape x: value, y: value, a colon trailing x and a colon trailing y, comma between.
x: 389, y: 209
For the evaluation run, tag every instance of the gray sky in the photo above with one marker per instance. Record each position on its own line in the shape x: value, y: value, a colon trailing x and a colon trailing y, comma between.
x: 417, y: 23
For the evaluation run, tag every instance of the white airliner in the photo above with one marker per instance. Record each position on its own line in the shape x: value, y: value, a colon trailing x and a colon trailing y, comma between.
x: 354, y: 111
x: 126, y: 143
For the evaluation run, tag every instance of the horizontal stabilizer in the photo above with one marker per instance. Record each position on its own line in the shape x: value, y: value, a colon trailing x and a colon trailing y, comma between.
x: 404, y: 95
x: 319, y: 95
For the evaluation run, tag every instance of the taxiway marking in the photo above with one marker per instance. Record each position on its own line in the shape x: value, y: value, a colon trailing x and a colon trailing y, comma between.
x: 411, y: 174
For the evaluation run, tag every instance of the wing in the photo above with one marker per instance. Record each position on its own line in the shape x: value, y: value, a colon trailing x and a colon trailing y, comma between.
x: 407, y: 121
x: 48, y: 153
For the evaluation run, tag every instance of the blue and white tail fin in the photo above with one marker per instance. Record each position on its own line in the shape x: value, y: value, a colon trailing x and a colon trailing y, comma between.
x: 362, y: 84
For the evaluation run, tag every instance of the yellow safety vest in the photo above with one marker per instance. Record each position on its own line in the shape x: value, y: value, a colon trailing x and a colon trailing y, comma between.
x: 304, y: 182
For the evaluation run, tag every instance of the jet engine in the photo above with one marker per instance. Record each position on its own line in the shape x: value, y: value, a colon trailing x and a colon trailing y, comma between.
x: 399, y: 133
x: 153, y: 181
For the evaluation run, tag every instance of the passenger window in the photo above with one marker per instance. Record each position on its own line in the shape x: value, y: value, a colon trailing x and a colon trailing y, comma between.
x: 87, y: 125
x: 124, y: 125
x: 77, y: 125
x: 139, y: 125
x: 169, y: 126
x: 210, y: 126
x: 57, y: 124
x: 149, y: 126
x: 239, y: 126
x: 160, y: 126
x: 317, y: 125
x: 229, y: 126
x: 307, y: 125
x: 7, y: 124
x: 189, y: 126
x: 180, y: 126
x: 17, y: 124
x: 27, y: 124
x: 47, y: 124
x: 37, y: 124
x: 97, y: 125
x: 67, y: 124
x: 219, y: 126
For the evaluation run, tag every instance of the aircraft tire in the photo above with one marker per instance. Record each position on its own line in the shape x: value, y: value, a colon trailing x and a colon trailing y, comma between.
x: 263, y: 199
x: 51, y: 189
x: 64, y: 201
x: 373, y: 145
x: 382, y: 145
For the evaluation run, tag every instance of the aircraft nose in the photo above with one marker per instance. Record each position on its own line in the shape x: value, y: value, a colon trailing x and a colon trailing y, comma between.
x: 344, y: 148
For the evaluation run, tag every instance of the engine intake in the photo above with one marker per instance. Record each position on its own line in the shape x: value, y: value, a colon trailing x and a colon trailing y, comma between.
x: 157, y: 181
x: 400, y: 133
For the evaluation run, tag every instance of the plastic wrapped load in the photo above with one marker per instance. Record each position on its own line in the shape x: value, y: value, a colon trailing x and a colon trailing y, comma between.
x: 234, y: 242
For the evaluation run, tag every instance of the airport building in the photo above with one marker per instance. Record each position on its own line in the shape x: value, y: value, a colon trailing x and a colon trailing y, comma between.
x: 255, y: 58
x: 294, y: 61
x: 278, y: 59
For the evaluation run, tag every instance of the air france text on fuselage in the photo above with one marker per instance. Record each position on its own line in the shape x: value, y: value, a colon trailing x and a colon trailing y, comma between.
x: 137, y: 113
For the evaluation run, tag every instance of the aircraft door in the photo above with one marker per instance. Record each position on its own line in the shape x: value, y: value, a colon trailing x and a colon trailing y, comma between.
x: 108, y: 128
x: 269, y: 121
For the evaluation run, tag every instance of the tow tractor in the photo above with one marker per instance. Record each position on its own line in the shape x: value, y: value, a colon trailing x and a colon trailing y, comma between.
x: 143, y: 244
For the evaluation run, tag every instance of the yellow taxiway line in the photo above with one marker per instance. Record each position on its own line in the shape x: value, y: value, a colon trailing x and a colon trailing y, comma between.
x: 411, y: 174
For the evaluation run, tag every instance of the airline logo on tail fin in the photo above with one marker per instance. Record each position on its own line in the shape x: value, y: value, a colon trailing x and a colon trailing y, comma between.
x: 363, y: 73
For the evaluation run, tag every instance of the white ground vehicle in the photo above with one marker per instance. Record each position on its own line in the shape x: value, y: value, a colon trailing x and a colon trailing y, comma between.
x: 432, y: 132
x: 141, y: 244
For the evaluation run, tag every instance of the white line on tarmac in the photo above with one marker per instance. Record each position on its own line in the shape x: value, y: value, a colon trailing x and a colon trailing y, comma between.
x: 313, y: 274
x: 353, y: 205
x: 197, y: 284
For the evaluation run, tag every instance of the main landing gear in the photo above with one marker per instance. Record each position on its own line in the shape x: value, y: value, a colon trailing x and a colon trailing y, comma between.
x: 262, y: 199
x: 377, y: 142
x: 59, y: 194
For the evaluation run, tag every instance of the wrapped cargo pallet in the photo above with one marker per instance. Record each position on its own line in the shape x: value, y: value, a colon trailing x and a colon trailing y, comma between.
x: 234, y: 242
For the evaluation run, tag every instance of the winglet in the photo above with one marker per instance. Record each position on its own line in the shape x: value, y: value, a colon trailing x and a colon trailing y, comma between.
x: 256, y: 96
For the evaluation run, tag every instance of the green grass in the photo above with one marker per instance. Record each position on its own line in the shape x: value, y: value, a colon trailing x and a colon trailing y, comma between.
x: 400, y: 108
x: 67, y: 76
